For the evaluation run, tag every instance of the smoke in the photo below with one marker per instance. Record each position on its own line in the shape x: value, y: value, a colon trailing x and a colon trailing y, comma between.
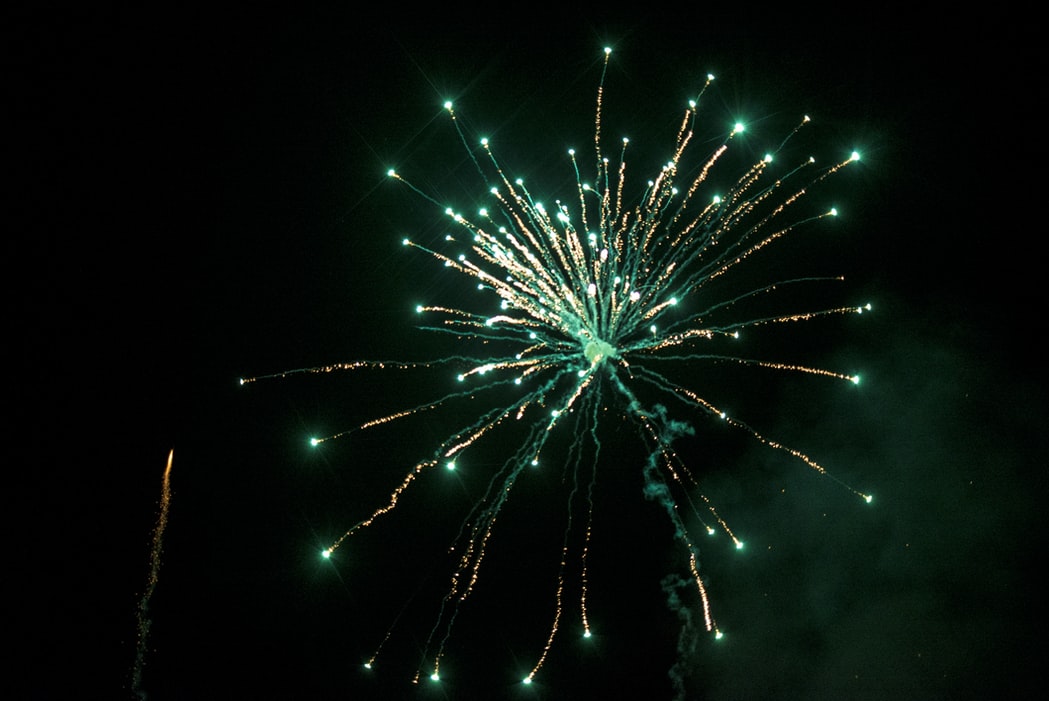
x: 687, y: 639
x: 656, y: 489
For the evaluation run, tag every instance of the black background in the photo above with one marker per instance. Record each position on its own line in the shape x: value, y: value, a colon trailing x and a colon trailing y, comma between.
x: 202, y: 196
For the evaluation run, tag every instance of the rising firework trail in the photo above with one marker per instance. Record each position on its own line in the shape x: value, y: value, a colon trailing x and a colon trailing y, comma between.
x: 144, y: 621
x: 592, y: 296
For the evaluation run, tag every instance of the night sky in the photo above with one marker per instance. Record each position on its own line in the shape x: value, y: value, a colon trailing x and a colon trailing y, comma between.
x: 203, y: 197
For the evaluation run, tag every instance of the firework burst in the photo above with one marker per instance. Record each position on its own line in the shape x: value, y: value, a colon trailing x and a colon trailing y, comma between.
x: 593, y: 293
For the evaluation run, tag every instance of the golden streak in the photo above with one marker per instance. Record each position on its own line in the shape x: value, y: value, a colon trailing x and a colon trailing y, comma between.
x: 156, y: 549
x: 409, y: 478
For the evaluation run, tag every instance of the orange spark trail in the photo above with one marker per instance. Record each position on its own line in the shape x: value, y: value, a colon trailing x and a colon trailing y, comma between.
x: 144, y: 622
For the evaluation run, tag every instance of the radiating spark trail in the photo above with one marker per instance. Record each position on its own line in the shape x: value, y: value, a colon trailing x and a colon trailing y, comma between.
x: 144, y: 622
x: 588, y: 291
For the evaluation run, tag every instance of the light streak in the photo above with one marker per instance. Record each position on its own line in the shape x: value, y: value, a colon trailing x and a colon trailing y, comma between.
x: 157, y: 547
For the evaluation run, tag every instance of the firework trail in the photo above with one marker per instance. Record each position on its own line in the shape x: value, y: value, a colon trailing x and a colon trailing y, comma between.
x: 144, y: 621
x: 592, y: 292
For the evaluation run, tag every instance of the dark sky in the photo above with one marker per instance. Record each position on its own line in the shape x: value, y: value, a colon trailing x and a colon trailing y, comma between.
x: 204, y: 197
